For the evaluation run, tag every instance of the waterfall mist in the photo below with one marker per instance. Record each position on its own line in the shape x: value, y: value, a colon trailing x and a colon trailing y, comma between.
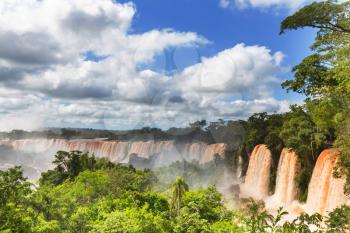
x: 32, y: 163
x: 199, y: 163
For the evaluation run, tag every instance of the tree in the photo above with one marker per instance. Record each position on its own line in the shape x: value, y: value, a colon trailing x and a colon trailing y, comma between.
x: 324, y: 76
x: 131, y: 220
x: 68, y: 133
x: 179, y: 188
x: 305, y: 223
x: 321, y: 73
x: 256, y: 130
x: 328, y: 16
x: 206, y: 202
x: 257, y: 218
x: 198, y: 124
x: 15, y: 212
x: 226, y: 226
x: 76, y: 205
x: 338, y: 220
x: 188, y: 221
x: 300, y: 133
x: 68, y: 165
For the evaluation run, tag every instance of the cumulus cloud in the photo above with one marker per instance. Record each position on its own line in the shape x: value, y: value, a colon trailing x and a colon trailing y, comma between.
x: 288, y: 4
x: 238, y: 70
x: 49, y: 38
x: 46, y: 80
x: 29, y: 48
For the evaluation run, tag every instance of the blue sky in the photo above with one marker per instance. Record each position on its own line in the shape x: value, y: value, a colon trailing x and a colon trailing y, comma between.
x: 224, y: 28
x: 101, y: 64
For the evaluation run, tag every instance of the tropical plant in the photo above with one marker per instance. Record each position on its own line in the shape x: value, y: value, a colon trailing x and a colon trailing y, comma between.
x: 179, y: 188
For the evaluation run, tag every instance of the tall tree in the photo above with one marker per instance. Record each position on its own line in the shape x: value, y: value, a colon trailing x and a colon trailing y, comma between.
x: 179, y: 188
x: 324, y: 76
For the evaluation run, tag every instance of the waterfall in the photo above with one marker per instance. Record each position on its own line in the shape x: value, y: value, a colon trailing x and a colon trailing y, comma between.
x: 165, y: 152
x: 286, y: 190
x: 325, y: 191
x: 324, y: 194
x: 202, y: 152
x: 336, y: 196
x: 256, y: 183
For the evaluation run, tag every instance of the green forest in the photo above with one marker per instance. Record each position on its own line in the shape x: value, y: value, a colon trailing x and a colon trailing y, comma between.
x: 85, y: 194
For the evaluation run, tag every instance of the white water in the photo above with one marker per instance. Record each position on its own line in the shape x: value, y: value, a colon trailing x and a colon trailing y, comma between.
x: 285, y: 191
x: 166, y: 152
x: 325, y: 191
x: 256, y: 183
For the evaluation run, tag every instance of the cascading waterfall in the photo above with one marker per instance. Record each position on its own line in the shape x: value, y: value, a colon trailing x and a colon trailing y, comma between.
x: 256, y: 183
x: 336, y: 196
x: 286, y: 191
x: 202, y: 152
x: 120, y: 151
x: 325, y: 191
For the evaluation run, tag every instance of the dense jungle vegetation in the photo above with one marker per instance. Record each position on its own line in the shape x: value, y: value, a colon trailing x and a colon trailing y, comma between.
x: 85, y: 194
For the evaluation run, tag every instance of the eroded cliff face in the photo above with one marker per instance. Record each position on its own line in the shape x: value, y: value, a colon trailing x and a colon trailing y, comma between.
x: 325, y: 191
x: 257, y: 179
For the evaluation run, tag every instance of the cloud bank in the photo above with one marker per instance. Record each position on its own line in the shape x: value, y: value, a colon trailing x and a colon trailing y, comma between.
x: 46, y: 78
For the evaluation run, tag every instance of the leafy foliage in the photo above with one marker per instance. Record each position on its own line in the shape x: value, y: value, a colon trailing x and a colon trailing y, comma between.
x: 339, y: 220
x: 179, y: 188
x: 325, y: 15
x: 14, y: 201
x: 324, y: 76
x: 262, y: 128
x: 131, y: 220
x: 70, y: 164
x: 120, y: 199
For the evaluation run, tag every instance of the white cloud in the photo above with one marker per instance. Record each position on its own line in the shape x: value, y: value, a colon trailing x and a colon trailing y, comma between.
x: 48, y: 37
x: 234, y: 71
x: 224, y: 3
x: 288, y: 4
x: 45, y: 81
